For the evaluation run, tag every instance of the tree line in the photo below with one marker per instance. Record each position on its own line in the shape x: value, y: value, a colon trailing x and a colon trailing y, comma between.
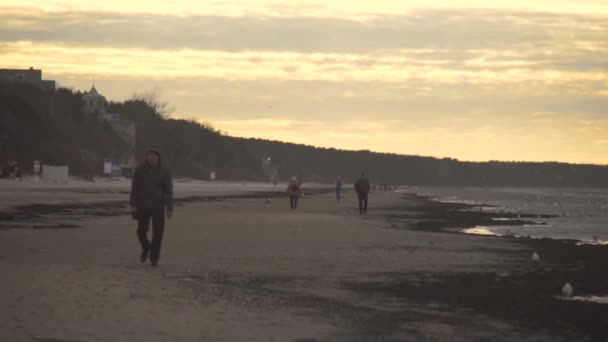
x: 49, y: 126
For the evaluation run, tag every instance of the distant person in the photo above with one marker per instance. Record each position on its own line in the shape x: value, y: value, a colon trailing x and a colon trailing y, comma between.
x: 151, y: 198
x: 362, y: 187
x: 18, y: 173
x: 294, y: 191
x: 339, y: 184
x: 12, y: 169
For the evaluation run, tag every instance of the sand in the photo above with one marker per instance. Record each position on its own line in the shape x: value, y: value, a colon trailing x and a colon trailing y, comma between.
x: 237, y: 269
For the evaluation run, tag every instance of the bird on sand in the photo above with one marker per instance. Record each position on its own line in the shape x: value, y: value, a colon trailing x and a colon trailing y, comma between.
x: 567, y: 290
x: 535, y: 257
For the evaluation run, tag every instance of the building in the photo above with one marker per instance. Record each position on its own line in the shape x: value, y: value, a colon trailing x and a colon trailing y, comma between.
x: 30, y: 76
x: 94, y: 104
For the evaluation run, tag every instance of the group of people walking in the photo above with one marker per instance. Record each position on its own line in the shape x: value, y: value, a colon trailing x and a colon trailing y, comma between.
x: 362, y: 188
x: 151, y: 201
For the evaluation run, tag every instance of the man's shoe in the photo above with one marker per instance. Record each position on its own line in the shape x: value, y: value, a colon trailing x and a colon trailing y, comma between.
x: 154, y: 263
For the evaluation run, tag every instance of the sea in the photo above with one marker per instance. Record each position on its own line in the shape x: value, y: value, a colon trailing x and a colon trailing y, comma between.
x: 582, y: 214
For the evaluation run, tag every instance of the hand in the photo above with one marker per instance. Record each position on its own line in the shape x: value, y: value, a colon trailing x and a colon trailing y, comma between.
x: 169, y: 213
x: 134, y: 212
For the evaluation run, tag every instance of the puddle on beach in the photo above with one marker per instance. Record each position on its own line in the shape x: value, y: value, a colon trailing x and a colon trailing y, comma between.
x: 489, y: 208
x: 590, y: 299
x: 479, y: 231
x: 506, y: 231
x: 592, y: 242
x: 489, y: 231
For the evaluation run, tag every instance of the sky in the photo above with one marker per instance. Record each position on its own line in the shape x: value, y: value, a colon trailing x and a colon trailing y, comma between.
x: 471, y: 79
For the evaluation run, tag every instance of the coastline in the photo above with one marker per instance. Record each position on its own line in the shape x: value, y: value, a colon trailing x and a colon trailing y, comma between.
x: 572, y: 213
x: 256, y: 271
x: 527, y: 292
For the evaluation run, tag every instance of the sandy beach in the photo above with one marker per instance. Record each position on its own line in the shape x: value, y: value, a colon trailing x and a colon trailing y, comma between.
x: 238, y: 265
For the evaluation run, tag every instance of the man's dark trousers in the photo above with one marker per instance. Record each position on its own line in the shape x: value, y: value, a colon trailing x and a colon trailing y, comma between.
x: 158, y: 228
x: 363, y: 203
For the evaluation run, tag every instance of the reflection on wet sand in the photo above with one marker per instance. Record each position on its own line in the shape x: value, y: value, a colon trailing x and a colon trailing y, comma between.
x: 479, y: 231
x: 592, y: 299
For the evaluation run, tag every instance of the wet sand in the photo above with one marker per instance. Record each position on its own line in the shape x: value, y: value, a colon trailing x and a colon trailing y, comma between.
x: 238, y: 265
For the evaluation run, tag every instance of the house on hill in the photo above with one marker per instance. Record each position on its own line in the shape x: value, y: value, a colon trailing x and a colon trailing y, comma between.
x: 95, y: 105
x: 30, y: 76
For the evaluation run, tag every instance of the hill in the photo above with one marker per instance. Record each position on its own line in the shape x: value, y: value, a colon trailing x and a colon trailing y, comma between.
x: 44, y: 125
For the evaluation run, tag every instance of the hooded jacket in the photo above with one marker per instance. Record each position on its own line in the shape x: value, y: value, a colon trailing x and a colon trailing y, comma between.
x: 362, y: 186
x: 152, y: 186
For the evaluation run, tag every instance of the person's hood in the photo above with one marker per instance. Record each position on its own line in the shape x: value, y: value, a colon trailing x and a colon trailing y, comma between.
x: 156, y: 150
x: 153, y: 149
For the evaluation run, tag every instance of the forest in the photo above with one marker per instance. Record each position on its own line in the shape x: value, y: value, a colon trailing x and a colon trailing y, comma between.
x: 49, y: 126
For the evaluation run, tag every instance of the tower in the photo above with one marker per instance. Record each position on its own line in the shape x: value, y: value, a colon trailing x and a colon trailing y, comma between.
x: 95, y: 106
x: 94, y: 102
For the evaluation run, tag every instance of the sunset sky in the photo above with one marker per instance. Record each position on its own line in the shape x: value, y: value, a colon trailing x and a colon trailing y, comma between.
x: 472, y: 79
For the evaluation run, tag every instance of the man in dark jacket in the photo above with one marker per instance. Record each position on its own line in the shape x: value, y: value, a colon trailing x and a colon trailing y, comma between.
x: 362, y: 187
x: 151, y: 196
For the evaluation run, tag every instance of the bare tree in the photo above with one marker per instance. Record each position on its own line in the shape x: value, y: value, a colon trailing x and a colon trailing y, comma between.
x: 152, y: 98
x: 194, y: 120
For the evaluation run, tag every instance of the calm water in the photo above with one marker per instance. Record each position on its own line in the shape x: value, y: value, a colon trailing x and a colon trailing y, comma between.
x: 583, y: 213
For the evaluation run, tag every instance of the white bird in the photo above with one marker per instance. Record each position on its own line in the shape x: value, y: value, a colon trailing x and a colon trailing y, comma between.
x: 535, y: 257
x: 567, y: 290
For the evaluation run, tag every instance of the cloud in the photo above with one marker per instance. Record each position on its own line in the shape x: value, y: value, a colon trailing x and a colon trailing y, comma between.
x: 403, y: 67
x: 448, y: 46
x: 354, y: 9
x: 418, y: 29
x: 473, y: 84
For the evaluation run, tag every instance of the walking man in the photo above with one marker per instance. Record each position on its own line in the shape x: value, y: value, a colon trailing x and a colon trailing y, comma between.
x: 294, y: 191
x: 151, y: 197
x: 362, y: 187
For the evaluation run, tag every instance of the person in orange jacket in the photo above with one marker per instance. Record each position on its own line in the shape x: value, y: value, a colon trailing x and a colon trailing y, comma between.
x: 294, y: 191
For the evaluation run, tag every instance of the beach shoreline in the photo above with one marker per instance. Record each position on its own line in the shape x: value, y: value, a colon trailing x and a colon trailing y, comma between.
x: 528, y: 292
x: 320, y: 274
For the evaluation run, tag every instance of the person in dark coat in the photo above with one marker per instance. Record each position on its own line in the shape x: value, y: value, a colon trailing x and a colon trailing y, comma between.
x: 362, y: 187
x: 151, y: 199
